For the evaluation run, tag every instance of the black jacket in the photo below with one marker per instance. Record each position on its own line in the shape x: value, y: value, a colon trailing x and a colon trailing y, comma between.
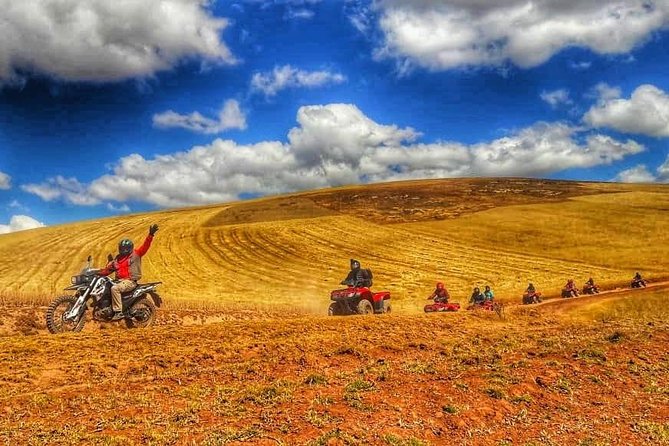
x: 358, y: 277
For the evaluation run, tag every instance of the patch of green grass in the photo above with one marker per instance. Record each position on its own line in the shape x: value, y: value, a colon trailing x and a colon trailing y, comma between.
x: 656, y: 432
x: 335, y: 434
x: 495, y: 393
x: 315, y: 379
x: 318, y: 419
x: 449, y: 408
x: 359, y: 385
x: 227, y: 436
x: 394, y: 440
x: 420, y: 367
x: 274, y: 393
x: 525, y: 398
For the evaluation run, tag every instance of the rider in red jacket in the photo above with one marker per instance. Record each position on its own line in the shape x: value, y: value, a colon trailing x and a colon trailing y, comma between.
x: 128, y: 268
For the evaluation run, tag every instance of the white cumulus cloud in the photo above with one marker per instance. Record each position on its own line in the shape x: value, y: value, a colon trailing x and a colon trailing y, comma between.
x: 99, y: 40
x: 447, y: 34
x: 230, y: 116
x: 641, y: 174
x: 646, y: 112
x: 61, y: 188
x: 20, y: 223
x: 5, y: 181
x: 286, y: 76
x: 636, y: 174
x: 334, y: 145
x: 556, y: 98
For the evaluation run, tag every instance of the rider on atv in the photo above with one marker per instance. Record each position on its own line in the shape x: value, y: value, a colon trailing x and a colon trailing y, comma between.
x: 531, y: 295
x: 358, y: 277
x: 638, y: 281
x: 570, y: 289
x: 440, y: 294
x: 488, y: 294
x: 590, y: 287
x: 477, y: 297
x: 128, y: 268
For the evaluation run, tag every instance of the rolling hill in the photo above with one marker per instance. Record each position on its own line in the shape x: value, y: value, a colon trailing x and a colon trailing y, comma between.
x: 290, y: 250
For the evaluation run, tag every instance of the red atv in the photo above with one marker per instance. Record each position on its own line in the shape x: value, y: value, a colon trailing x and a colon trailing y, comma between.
x: 590, y: 288
x: 531, y: 298
x: 441, y: 306
x: 358, y: 300
x: 488, y: 305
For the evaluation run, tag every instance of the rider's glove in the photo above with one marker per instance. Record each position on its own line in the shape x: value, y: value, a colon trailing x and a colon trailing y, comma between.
x: 153, y: 229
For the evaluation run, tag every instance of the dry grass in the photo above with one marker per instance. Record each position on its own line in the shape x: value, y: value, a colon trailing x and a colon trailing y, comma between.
x: 290, y: 251
x: 398, y: 380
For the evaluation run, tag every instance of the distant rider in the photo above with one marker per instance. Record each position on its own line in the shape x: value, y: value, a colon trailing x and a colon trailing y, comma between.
x: 358, y: 277
x: 590, y: 286
x: 488, y: 294
x: 570, y: 289
x: 477, y: 297
x: 638, y: 281
x: 128, y: 268
x: 532, y: 295
x: 440, y: 294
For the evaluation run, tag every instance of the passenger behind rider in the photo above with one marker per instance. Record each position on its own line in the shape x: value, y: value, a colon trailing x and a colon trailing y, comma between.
x: 128, y: 268
x: 440, y: 294
x: 357, y: 277
x: 488, y: 294
x: 477, y: 297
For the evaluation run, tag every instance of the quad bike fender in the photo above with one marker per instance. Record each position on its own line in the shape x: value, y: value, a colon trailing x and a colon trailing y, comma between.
x: 381, y: 296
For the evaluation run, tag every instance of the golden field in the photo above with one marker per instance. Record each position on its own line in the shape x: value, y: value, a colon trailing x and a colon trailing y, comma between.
x: 243, y: 353
x: 291, y: 250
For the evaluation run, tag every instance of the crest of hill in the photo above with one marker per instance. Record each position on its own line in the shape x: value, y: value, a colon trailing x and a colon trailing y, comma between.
x: 291, y: 250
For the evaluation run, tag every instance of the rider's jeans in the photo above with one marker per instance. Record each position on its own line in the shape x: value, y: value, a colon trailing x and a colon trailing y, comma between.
x: 122, y: 287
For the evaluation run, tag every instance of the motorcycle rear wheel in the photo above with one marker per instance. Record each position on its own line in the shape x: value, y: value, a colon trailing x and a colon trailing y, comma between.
x: 55, y: 313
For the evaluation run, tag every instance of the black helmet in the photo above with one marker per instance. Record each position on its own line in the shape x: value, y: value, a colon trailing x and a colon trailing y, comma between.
x: 355, y: 264
x: 125, y: 247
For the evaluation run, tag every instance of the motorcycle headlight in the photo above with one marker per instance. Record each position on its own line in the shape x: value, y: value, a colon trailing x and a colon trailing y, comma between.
x: 74, y: 280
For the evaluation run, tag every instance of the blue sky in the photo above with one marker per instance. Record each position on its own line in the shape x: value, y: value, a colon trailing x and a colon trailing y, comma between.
x: 106, y: 109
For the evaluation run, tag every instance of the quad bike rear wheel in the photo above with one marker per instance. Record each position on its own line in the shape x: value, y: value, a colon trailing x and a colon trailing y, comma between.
x: 55, y: 316
x: 365, y: 307
x: 142, y: 314
x: 387, y: 308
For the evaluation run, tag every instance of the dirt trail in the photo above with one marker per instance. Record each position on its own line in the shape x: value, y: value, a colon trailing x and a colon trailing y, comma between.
x: 558, y: 303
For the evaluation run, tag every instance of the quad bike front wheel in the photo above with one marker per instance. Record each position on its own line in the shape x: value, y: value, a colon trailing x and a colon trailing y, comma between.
x: 334, y: 309
x: 142, y: 314
x: 55, y: 316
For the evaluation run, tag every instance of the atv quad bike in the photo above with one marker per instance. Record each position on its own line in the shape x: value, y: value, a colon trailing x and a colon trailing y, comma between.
x: 590, y: 289
x: 638, y: 283
x: 358, y: 300
x: 531, y: 298
x: 441, y: 306
x: 566, y: 292
x: 488, y: 306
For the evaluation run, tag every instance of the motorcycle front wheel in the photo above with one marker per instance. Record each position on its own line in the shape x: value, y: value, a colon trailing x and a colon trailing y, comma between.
x: 55, y: 316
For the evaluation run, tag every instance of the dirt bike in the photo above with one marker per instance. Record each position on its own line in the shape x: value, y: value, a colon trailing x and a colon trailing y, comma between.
x: 92, y: 290
x: 358, y: 299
